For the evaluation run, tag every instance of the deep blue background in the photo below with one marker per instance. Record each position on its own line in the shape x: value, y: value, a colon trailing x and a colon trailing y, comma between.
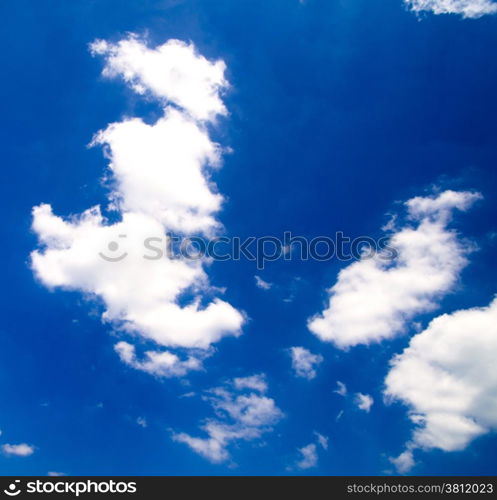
x: 338, y: 109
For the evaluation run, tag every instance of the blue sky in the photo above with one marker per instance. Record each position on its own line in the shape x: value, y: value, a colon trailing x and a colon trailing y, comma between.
x: 338, y: 111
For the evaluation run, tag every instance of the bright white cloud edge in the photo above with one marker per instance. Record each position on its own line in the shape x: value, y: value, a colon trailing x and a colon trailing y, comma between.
x: 160, y: 183
x: 466, y: 8
x: 447, y: 376
x: 374, y: 299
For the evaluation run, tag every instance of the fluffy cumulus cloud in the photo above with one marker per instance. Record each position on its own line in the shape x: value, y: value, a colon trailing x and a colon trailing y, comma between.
x: 448, y: 378
x: 173, y: 72
x: 243, y: 413
x: 160, y: 178
x: 374, y: 298
x: 304, y: 363
x: 18, y: 450
x: 466, y: 8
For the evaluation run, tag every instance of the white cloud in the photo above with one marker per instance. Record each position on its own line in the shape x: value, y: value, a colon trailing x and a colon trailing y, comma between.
x: 373, y: 299
x: 260, y: 283
x: 309, y: 453
x: 174, y: 72
x: 448, y: 378
x: 159, y: 363
x: 341, y: 388
x: 19, y: 450
x: 364, y: 401
x: 56, y: 474
x: 160, y: 184
x: 467, y: 8
x: 304, y: 362
x: 239, y: 417
x: 162, y: 170
x: 322, y: 440
x: 309, y: 457
x: 142, y: 422
x: 255, y: 382
x: 404, y: 462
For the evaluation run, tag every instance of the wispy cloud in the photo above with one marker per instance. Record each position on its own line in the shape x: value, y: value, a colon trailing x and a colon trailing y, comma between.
x: 466, y: 8
x: 142, y: 422
x: 341, y: 388
x: 260, y: 283
x: 255, y: 382
x: 304, y: 363
x: 240, y: 416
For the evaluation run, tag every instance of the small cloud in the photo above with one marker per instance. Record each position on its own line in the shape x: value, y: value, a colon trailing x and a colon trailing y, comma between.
x: 309, y: 457
x: 341, y: 389
x: 364, y: 401
x: 188, y: 395
x: 255, y: 382
x: 322, y: 440
x: 56, y: 474
x: 304, y: 362
x: 309, y: 454
x: 19, y: 450
x: 339, y: 416
x: 141, y: 422
x: 160, y: 363
x: 404, y: 462
x: 260, y: 283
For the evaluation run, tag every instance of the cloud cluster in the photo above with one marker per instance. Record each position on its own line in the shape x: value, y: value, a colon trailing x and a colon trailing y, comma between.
x: 241, y: 415
x: 466, y: 8
x: 304, y: 363
x: 161, y: 183
x: 373, y: 299
x: 448, y: 378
